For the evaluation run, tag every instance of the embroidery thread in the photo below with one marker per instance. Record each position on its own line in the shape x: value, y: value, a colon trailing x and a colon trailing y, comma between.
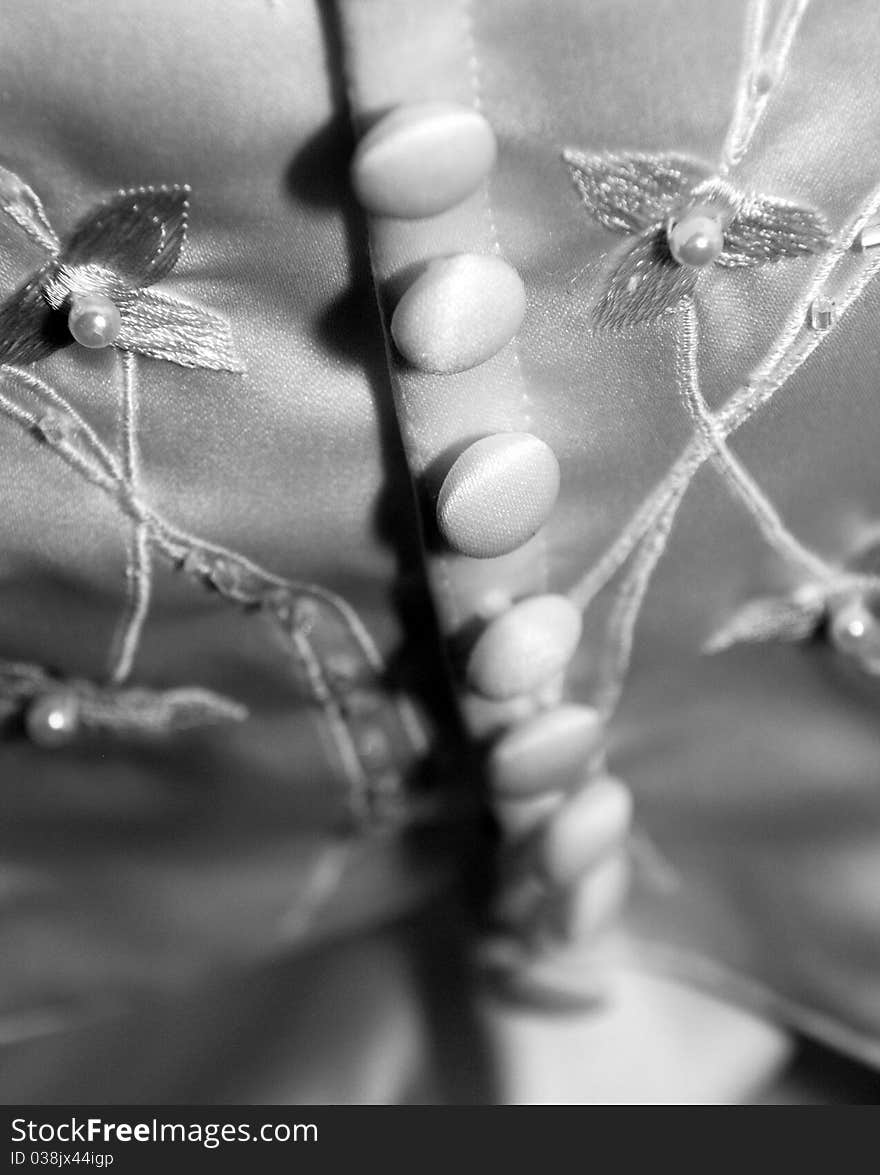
x: 127, y: 244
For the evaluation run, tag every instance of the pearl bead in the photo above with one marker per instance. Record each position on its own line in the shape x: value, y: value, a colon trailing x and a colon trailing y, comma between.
x: 422, y: 159
x: 460, y: 312
x: 697, y: 238
x: 855, y: 631
x: 498, y: 493
x: 53, y: 719
x: 524, y: 648
x: 94, y: 321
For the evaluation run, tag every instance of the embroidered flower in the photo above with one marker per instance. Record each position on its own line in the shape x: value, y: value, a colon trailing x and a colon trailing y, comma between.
x: 844, y: 608
x: 95, y: 287
x: 684, y: 219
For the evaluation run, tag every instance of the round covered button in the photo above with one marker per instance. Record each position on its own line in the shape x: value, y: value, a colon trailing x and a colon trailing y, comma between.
x: 460, y: 312
x: 422, y: 159
x: 497, y: 494
x: 525, y: 647
x: 585, y: 828
x: 548, y: 753
x: 597, y: 899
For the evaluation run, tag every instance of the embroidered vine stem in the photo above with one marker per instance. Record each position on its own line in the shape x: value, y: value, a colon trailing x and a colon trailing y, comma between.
x: 50, y: 1020
x: 351, y: 763
x: 628, y: 604
x: 649, y: 527
x: 739, y: 481
x: 71, y: 438
x: 323, y: 882
x: 121, y: 250
x: 139, y: 564
x: 763, y: 62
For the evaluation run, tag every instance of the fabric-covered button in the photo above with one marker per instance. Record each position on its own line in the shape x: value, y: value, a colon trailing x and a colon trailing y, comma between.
x: 520, y: 818
x: 586, y: 827
x: 597, y: 899
x: 498, y: 493
x: 525, y: 647
x: 460, y: 312
x: 546, y: 754
x: 422, y: 159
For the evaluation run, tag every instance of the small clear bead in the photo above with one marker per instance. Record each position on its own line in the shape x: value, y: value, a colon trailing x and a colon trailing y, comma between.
x: 822, y: 314
x: 54, y: 427
x: 342, y: 668
x: 94, y: 321
x: 869, y: 237
x: 305, y: 615
x: 279, y: 602
x: 226, y: 576
x: 763, y: 81
x: 374, y: 746
x: 362, y: 703
x: 696, y: 238
x: 53, y: 719
x: 855, y: 631
x: 193, y: 563
x: 387, y: 785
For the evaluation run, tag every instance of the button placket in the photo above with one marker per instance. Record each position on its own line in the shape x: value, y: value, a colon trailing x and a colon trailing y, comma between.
x: 453, y: 308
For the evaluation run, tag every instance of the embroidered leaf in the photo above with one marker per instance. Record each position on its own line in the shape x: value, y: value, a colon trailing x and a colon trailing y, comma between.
x: 144, y: 711
x: 765, y: 229
x: 629, y: 193
x: 123, y: 710
x: 23, y: 205
x: 866, y: 561
x: 62, y: 283
x: 138, y: 234
x: 791, y: 618
x: 29, y: 328
x: 162, y: 327
x: 20, y: 681
x: 645, y: 284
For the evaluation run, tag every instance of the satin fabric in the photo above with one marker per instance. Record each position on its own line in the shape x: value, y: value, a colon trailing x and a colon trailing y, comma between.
x: 140, y: 876
x: 755, y: 771
x: 132, y: 873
